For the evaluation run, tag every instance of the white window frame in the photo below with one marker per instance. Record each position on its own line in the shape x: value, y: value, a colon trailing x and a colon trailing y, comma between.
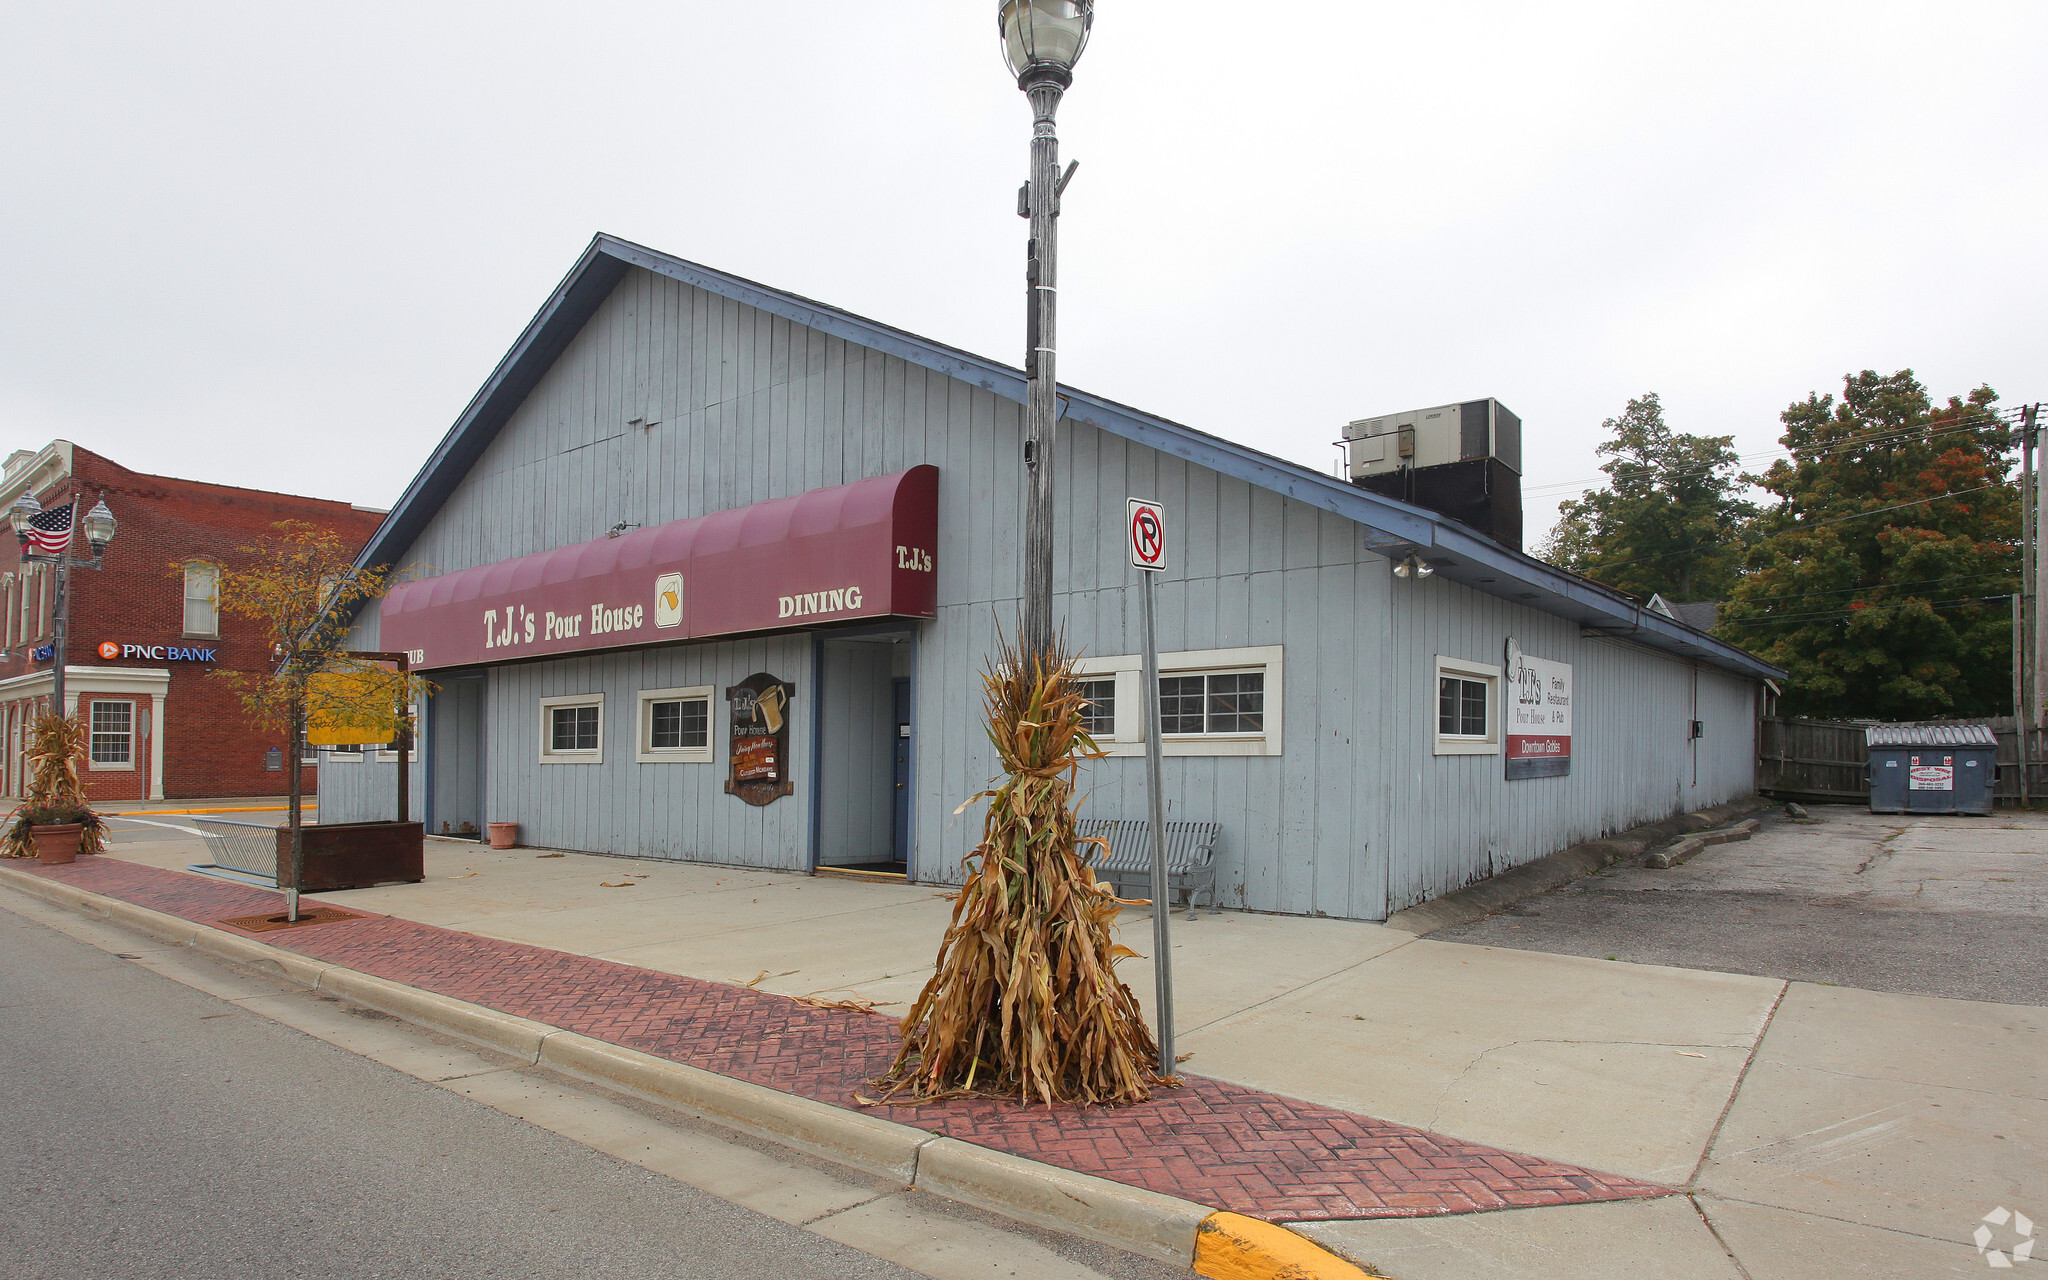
x: 643, y: 734
x: 98, y: 766
x: 548, y: 754
x: 414, y: 755
x: 213, y: 597
x: 1451, y: 744
x: 1129, y: 738
x: 336, y: 753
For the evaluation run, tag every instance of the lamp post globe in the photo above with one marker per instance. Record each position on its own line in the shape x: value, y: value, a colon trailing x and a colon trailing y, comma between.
x: 25, y: 508
x: 1044, y: 37
x: 100, y: 526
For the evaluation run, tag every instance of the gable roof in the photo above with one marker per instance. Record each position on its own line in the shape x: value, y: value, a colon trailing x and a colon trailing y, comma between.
x: 1389, y: 526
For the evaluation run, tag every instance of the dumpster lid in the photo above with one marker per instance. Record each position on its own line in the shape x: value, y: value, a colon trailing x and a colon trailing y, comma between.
x: 1929, y: 735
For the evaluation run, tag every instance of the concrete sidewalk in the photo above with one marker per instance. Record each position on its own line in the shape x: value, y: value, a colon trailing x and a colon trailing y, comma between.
x: 1817, y: 1131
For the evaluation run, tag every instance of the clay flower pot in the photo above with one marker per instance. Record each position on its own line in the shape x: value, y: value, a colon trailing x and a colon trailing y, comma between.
x: 56, y: 845
x: 503, y: 834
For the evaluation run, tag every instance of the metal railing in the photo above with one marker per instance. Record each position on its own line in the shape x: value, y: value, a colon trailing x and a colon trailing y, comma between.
x: 240, y: 850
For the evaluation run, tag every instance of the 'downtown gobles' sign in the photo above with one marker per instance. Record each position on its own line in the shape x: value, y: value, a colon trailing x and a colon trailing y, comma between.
x: 1538, y: 716
x: 861, y: 550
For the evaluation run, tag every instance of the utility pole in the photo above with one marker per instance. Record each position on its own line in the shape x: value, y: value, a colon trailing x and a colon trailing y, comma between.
x: 2035, y: 627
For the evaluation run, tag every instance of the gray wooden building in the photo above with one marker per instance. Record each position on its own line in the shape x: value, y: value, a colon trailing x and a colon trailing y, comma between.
x: 1367, y: 740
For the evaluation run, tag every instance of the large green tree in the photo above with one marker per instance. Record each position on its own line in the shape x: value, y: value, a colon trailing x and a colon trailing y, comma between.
x: 1670, y: 518
x: 1878, y: 580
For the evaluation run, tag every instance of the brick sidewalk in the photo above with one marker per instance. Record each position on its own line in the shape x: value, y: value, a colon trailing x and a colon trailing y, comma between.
x: 1218, y: 1144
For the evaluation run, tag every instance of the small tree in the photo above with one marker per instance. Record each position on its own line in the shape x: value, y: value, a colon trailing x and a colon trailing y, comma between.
x: 302, y: 587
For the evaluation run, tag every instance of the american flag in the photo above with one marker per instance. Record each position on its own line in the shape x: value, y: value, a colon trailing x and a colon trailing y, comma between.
x: 50, y: 531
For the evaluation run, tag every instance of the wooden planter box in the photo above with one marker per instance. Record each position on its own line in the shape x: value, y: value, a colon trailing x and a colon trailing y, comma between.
x: 355, y: 855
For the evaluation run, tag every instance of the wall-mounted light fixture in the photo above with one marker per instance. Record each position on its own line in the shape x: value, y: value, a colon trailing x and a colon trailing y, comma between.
x: 619, y: 529
x: 1413, y: 566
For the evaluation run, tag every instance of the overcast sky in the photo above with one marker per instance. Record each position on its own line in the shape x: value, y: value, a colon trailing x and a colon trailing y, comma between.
x: 281, y: 245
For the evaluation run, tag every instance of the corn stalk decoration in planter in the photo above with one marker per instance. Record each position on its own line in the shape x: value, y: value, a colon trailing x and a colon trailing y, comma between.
x: 1025, y: 1002
x: 55, y: 793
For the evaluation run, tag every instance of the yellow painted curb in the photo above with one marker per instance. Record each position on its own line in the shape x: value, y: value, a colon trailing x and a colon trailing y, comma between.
x: 143, y: 813
x: 1230, y: 1246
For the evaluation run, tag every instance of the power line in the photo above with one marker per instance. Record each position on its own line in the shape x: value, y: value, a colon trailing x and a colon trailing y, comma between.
x: 1797, y: 528
x: 1787, y: 619
x: 1838, y: 446
x: 1917, y: 502
x: 1878, y: 586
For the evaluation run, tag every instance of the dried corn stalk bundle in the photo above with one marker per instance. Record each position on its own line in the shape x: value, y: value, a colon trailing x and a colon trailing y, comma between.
x: 1025, y: 1001
x: 56, y: 750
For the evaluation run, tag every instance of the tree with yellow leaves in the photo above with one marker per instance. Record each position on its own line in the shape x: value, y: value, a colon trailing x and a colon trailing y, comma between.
x: 302, y: 586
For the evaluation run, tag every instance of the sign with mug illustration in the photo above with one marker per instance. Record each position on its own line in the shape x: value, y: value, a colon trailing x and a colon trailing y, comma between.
x: 760, y: 738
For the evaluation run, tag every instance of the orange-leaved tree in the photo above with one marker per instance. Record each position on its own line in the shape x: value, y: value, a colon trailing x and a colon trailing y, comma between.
x: 302, y: 587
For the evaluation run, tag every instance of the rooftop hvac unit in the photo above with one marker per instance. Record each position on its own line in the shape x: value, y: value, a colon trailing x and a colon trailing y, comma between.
x: 1433, y: 437
x: 1463, y: 460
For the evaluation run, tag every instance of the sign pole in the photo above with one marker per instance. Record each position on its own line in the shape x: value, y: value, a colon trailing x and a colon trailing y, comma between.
x: 1148, y: 552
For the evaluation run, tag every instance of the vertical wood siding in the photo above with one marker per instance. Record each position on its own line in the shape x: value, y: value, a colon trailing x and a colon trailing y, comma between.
x: 1356, y: 818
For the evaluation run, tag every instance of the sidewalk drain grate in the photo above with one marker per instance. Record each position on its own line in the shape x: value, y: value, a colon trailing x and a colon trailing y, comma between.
x: 266, y: 923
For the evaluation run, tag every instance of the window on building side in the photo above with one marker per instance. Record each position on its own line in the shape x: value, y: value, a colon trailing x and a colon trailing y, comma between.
x: 113, y: 741
x: 388, y: 751
x: 1098, y: 712
x: 1212, y: 702
x: 1466, y: 708
x: 675, y: 725
x: 1461, y: 707
x: 572, y: 729
x: 1230, y: 702
x: 202, y: 600
x: 575, y: 729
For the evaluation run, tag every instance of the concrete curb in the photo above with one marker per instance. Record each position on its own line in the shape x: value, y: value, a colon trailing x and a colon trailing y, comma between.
x: 1665, y: 859
x: 1157, y: 1226
x: 1497, y: 893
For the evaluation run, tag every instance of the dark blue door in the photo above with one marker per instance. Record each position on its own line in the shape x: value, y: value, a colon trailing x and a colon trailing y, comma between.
x: 902, y: 777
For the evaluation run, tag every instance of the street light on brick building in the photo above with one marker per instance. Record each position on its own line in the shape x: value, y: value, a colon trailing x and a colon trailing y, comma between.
x: 46, y: 538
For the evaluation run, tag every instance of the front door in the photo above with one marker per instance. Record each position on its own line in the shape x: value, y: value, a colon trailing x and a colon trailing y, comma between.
x: 902, y: 776
x: 455, y: 757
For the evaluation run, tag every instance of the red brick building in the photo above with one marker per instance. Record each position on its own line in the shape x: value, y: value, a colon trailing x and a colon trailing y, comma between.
x: 146, y: 628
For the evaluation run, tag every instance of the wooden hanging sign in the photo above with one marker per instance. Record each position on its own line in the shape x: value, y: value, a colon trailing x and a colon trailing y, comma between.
x: 760, y: 739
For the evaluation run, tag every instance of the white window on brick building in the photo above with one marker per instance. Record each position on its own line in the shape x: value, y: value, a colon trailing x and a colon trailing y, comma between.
x: 113, y: 735
x: 202, y: 600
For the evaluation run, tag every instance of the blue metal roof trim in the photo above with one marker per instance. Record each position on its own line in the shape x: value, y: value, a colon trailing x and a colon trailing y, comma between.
x: 1391, y: 526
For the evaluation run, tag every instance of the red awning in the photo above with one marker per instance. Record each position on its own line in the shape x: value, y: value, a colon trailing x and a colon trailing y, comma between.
x: 861, y: 550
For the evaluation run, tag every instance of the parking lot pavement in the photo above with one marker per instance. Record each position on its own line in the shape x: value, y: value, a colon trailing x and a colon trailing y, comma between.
x: 1943, y: 906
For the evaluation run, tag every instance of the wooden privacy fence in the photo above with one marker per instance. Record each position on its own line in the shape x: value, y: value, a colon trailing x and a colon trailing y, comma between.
x: 1827, y: 759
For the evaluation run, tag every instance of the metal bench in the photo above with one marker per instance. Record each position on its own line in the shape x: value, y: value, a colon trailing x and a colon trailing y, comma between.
x: 1190, y: 856
x: 245, y: 851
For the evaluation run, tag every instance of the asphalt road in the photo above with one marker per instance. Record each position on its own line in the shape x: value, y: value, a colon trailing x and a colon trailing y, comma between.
x: 1949, y: 906
x: 148, y: 1130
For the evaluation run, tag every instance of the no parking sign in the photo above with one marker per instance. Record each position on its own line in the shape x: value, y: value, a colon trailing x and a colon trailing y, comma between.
x: 1147, y: 524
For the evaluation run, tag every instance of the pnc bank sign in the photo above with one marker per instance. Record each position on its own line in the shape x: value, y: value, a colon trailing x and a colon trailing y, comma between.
x: 109, y: 651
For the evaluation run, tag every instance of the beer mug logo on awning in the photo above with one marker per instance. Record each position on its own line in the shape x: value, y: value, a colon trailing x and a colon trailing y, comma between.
x: 668, y: 600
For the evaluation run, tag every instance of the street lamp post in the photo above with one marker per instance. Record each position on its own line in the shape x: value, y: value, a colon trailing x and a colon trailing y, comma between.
x: 1042, y: 40
x: 99, y: 527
